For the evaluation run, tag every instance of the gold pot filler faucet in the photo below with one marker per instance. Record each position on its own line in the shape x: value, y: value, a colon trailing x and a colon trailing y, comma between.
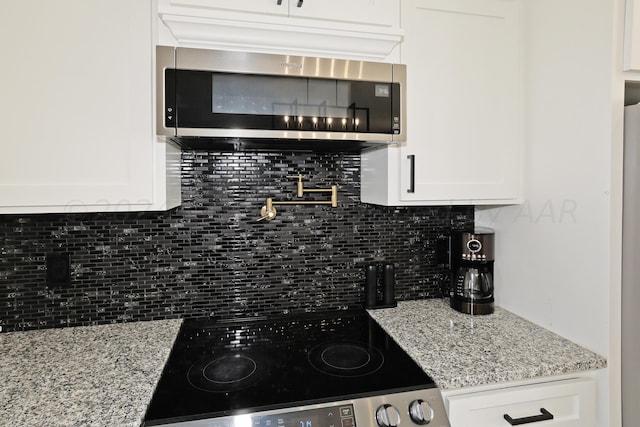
x: 268, y: 211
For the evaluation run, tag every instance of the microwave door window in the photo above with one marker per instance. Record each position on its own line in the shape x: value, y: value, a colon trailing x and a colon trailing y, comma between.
x: 245, y: 101
x: 283, y: 102
x: 257, y: 95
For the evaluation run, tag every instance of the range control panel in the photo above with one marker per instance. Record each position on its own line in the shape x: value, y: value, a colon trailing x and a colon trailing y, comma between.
x: 406, y: 409
x: 335, y: 416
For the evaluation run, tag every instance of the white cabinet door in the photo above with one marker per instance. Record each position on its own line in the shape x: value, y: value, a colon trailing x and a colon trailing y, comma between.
x: 464, y: 81
x: 463, y: 107
x: 370, y: 12
x: 565, y: 403
x: 252, y: 6
x: 632, y: 35
x: 76, y: 84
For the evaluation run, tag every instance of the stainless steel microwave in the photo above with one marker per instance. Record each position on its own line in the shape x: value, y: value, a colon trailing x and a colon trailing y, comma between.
x: 210, y: 97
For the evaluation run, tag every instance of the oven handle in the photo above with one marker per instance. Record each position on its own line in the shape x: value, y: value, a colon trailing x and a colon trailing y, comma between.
x: 545, y: 415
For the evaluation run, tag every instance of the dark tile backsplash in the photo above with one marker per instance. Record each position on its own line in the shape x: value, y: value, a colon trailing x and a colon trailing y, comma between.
x: 211, y: 258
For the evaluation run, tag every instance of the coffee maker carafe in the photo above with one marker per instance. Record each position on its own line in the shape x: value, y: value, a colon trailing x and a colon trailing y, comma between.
x: 472, y: 259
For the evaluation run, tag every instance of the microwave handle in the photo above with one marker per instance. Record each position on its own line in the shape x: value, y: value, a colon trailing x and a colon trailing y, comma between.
x: 412, y: 173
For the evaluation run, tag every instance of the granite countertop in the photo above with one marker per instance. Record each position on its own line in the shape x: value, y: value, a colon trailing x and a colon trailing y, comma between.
x: 105, y: 375
x: 82, y: 376
x: 459, y: 350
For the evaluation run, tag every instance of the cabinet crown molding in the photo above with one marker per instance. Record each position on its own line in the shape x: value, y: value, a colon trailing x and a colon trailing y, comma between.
x: 353, y: 41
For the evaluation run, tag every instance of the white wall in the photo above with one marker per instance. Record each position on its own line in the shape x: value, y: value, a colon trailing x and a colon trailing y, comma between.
x: 553, y: 262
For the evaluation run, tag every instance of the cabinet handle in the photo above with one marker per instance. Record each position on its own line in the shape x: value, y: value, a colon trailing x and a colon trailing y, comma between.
x: 412, y: 173
x: 279, y: 2
x: 300, y: 3
x: 545, y: 415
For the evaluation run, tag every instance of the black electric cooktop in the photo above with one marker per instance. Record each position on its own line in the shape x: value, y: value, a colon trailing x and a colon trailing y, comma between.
x: 220, y: 369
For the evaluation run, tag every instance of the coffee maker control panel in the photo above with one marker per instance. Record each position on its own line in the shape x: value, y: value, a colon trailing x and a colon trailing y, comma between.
x: 474, y: 246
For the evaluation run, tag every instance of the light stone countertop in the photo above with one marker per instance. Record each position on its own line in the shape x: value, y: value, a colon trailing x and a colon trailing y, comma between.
x: 89, y: 376
x: 460, y: 350
x: 105, y: 375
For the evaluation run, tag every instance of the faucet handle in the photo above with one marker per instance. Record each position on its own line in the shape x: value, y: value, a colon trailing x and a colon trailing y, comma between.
x: 267, y: 215
x: 268, y: 211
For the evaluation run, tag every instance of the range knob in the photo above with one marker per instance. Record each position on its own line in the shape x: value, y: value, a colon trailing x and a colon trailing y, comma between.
x: 387, y: 416
x: 420, y: 412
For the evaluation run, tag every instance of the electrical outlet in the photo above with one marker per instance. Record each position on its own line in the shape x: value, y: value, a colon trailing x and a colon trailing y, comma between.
x: 59, y: 269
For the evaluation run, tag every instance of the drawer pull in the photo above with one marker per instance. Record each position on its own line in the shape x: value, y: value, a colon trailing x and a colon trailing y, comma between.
x: 545, y: 415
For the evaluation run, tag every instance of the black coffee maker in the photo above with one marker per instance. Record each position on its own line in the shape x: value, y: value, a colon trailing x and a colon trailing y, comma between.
x: 472, y: 259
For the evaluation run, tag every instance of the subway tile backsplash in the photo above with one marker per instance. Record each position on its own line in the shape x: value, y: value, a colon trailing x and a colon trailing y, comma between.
x: 211, y: 258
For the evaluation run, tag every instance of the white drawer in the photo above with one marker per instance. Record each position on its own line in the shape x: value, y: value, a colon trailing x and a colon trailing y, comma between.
x: 571, y: 402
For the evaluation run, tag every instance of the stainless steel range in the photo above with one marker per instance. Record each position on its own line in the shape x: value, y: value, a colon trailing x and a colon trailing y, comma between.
x: 341, y: 370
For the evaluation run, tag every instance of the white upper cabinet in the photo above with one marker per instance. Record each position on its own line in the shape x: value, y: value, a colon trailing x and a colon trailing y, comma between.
x: 383, y: 13
x: 273, y: 7
x: 631, y: 45
x: 464, y: 103
x: 368, y: 29
x: 77, y: 104
x: 371, y: 12
x: 632, y: 36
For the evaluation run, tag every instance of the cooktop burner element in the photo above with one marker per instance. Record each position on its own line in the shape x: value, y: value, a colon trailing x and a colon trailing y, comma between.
x: 346, y: 359
x: 316, y: 371
x: 229, y: 372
